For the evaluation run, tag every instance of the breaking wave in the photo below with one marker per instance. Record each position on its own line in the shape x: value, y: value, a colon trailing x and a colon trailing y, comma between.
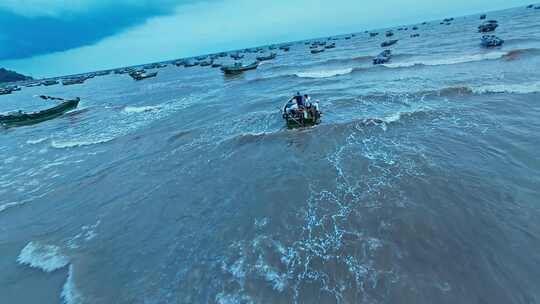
x: 448, y: 61
x: 45, y: 257
x: 526, y: 88
x: 73, y: 144
x: 70, y: 294
x: 324, y: 73
x: 7, y: 206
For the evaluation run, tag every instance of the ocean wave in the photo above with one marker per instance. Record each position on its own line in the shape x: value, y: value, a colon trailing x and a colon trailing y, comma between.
x: 72, y: 144
x: 525, y: 88
x: 448, y: 61
x: 36, y: 141
x: 45, y: 257
x: 519, y: 53
x: 324, y: 73
x: 131, y: 109
x: 70, y: 294
x: 7, y: 206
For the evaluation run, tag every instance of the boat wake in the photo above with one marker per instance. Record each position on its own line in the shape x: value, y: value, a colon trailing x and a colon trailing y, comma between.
x: 131, y: 109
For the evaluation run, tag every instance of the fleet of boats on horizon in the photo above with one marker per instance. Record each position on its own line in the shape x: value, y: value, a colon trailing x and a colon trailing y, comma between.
x: 267, y: 53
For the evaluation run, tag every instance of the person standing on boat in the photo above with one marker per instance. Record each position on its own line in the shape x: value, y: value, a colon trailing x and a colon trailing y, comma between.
x: 307, y: 101
x: 299, y: 100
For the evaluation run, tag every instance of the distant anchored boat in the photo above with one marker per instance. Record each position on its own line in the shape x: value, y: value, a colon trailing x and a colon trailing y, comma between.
x: 238, y: 68
x: 50, y: 82
x: 389, y: 43
x: 23, y: 119
x: 140, y: 75
x: 71, y: 81
x: 488, y: 26
x: 269, y: 57
x: 316, y: 51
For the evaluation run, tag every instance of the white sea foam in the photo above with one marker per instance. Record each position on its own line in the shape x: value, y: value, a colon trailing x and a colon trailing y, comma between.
x: 36, y: 141
x: 70, y: 294
x: 324, y: 73
x: 526, y: 88
x: 10, y: 205
x: 130, y: 109
x: 87, y: 234
x: 45, y: 257
x: 448, y: 61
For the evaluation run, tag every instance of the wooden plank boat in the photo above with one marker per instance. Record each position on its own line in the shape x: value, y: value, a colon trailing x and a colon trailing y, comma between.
x: 23, y: 119
x: 269, y: 57
x: 305, y: 117
x: 239, y: 68
x: 140, y: 75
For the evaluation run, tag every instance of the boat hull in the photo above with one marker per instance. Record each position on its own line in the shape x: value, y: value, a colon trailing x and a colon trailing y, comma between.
x: 26, y: 119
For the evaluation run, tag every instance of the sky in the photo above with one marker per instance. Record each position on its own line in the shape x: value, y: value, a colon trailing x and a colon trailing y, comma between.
x: 45, y: 38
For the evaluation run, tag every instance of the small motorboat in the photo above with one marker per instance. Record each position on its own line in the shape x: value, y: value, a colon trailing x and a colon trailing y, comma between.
x: 23, y: 119
x: 140, y: 75
x: 490, y: 41
x: 383, y: 57
x: 330, y: 46
x: 389, y: 43
x: 269, y: 57
x: 189, y: 64
x: 415, y: 35
x: 483, y: 16
x: 206, y: 63
x: 389, y: 34
x: 373, y: 34
x: 304, y: 117
x: 238, y: 68
x: 216, y: 65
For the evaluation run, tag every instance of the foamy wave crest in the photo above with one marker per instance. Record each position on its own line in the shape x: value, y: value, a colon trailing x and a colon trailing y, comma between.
x: 130, y: 109
x: 70, y: 294
x: 36, y: 141
x: 526, y: 88
x: 73, y: 144
x: 324, y: 74
x: 45, y: 257
x: 448, y: 61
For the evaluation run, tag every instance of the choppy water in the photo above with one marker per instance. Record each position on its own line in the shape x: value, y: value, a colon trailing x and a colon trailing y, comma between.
x: 187, y: 188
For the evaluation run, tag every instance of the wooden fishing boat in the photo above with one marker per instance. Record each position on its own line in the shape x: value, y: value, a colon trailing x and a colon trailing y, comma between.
x: 239, y: 68
x: 306, y: 117
x: 140, y: 75
x: 269, y: 57
x: 23, y: 119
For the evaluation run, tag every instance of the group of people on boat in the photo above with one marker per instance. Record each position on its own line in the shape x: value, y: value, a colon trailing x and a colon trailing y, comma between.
x: 301, y: 105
